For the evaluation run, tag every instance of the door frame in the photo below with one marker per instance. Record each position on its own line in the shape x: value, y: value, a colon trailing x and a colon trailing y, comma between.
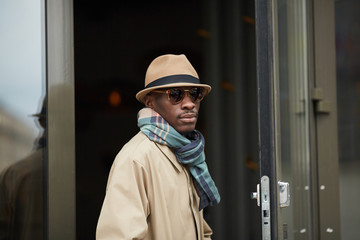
x: 266, y: 111
x: 61, y: 220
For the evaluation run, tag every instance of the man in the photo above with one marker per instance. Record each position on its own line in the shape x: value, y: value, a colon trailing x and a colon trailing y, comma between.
x: 159, y: 182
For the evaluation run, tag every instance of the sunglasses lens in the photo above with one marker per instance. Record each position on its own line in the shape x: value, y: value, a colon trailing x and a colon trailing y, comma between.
x: 176, y: 95
x: 196, y: 94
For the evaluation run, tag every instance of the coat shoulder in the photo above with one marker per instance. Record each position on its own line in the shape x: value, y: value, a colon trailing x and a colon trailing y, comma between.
x: 139, y: 149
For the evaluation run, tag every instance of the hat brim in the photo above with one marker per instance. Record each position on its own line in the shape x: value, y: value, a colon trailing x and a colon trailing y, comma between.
x: 140, y: 96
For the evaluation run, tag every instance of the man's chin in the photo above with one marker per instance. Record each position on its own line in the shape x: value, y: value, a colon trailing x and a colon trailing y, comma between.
x: 185, y: 130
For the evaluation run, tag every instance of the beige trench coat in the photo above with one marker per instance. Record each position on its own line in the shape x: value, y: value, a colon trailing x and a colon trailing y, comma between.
x: 150, y: 195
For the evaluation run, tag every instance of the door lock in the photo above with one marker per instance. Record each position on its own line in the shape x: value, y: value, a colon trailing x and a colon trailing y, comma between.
x: 262, y: 195
x: 284, y: 194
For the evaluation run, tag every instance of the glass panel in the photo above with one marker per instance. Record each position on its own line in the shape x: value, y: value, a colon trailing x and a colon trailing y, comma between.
x: 293, y: 146
x: 347, y: 25
x: 22, y: 119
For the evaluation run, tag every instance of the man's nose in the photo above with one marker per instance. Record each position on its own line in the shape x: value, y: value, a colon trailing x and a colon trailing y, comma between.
x: 187, y: 103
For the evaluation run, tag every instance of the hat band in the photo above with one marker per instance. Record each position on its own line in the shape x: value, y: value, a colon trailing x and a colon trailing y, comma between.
x: 180, y: 78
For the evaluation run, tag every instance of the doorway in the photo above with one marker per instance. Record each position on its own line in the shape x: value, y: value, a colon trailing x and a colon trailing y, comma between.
x: 114, y: 43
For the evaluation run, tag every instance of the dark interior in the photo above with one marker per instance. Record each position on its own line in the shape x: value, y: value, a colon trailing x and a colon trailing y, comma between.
x: 114, y: 43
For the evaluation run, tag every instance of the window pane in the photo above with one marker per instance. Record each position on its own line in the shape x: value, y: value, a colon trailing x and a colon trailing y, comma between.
x: 22, y: 119
x: 347, y: 23
x: 294, y: 147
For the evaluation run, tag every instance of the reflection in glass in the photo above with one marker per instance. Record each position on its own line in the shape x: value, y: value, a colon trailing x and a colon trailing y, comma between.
x: 348, y: 101
x: 22, y: 120
x: 294, y: 152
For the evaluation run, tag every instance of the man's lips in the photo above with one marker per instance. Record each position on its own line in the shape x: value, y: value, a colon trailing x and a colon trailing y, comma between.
x: 188, y: 117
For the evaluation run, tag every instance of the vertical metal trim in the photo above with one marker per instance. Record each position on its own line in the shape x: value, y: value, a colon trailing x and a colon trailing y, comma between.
x: 326, y: 124
x: 276, y: 120
x: 61, y: 126
x: 265, y: 81
x: 313, y: 167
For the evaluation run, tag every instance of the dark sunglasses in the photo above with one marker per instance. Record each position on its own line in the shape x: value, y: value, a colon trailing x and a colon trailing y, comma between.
x: 176, y: 95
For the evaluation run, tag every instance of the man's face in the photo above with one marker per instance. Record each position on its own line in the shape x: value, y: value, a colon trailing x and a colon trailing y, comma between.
x: 182, y: 116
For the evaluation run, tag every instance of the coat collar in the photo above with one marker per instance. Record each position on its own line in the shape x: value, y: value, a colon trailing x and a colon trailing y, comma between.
x: 170, y: 155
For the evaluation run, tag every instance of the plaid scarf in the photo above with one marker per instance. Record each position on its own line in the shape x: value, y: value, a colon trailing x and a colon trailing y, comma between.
x: 189, y: 151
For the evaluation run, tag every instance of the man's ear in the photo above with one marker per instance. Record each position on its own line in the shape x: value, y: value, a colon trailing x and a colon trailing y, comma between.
x: 149, y: 101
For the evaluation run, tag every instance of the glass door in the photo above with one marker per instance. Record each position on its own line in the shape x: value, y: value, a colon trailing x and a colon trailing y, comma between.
x: 285, y: 191
x: 292, y: 115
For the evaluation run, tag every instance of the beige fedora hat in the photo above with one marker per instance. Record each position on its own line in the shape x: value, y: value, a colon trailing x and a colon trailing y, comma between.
x: 168, y: 71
